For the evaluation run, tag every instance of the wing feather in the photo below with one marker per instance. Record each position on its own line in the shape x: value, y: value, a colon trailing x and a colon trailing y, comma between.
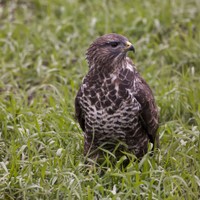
x: 149, y: 112
x: 78, y: 111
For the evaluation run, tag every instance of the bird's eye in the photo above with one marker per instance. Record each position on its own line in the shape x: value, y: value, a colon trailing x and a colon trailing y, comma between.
x: 114, y: 44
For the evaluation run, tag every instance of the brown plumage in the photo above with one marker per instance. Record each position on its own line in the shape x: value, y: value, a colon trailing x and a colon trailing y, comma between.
x: 114, y: 105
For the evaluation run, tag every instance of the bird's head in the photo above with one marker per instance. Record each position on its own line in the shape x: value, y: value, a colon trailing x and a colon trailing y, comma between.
x: 108, y: 49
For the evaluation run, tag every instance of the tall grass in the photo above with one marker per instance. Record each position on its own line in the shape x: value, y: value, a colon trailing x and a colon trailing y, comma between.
x: 42, y: 64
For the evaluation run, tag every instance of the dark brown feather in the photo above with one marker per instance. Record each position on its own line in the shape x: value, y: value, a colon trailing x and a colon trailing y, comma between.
x: 114, y: 104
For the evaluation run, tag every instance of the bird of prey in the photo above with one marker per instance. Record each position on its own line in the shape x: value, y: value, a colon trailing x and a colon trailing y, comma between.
x: 114, y: 105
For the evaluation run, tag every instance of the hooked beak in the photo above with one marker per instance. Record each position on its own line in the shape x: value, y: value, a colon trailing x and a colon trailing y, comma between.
x: 129, y: 47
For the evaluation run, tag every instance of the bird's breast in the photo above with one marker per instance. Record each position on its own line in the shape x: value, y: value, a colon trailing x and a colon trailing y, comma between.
x: 110, y: 106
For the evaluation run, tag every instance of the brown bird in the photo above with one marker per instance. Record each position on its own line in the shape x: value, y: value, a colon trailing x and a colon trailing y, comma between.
x: 114, y: 106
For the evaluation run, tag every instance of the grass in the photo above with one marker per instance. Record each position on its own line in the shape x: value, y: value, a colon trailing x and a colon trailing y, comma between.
x: 42, y: 63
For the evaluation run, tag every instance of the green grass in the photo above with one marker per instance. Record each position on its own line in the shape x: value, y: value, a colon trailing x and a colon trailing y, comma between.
x: 42, y: 63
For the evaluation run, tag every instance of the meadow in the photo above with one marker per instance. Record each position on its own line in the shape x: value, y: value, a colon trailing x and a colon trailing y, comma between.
x: 42, y: 64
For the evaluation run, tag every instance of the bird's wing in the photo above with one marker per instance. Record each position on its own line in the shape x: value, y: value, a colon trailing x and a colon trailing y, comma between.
x: 78, y: 111
x: 149, y: 112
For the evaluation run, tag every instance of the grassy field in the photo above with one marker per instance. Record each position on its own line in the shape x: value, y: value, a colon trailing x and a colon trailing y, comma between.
x: 42, y: 63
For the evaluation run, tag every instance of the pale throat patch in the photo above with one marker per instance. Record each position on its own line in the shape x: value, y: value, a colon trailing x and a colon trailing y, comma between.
x: 129, y: 66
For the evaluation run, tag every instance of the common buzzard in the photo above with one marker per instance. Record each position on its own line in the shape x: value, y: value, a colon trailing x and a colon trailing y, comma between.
x: 114, y: 106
